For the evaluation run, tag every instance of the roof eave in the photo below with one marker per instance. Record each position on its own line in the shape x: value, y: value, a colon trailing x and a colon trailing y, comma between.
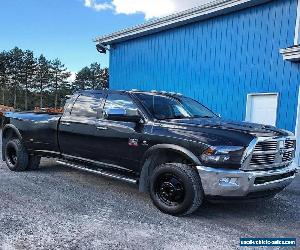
x: 215, y: 8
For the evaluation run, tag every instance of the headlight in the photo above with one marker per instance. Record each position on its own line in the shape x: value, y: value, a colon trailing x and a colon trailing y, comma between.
x: 222, y: 154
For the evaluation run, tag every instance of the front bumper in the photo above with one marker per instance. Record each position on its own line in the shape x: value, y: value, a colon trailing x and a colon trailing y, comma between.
x: 226, y: 183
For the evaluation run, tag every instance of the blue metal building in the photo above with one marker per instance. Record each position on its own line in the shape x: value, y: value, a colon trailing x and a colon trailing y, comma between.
x: 238, y: 57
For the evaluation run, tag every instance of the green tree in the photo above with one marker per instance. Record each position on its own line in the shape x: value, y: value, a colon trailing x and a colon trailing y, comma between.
x: 60, y: 76
x: 15, y: 59
x: 64, y: 90
x: 28, y: 74
x: 95, y: 76
x: 92, y: 77
x: 31, y: 80
x: 4, y: 64
x: 43, y: 77
x: 83, y: 79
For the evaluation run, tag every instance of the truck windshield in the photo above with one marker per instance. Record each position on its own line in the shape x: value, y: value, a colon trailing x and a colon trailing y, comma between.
x: 165, y: 107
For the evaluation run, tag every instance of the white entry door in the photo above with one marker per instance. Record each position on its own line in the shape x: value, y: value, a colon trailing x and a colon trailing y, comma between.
x: 262, y: 108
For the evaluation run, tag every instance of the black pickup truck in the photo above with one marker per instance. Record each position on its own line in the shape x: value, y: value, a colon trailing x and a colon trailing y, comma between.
x: 169, y: 145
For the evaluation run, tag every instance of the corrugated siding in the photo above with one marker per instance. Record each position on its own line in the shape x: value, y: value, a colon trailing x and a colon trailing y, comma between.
x: 218, y: 61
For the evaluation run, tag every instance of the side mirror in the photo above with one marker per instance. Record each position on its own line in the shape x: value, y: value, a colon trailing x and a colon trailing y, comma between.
x: 121, y: 114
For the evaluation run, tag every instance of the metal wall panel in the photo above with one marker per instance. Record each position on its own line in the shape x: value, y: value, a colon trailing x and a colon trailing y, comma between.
x: 218, y: 61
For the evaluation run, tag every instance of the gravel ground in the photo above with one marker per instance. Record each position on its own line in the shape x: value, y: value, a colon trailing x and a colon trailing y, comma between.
x: 61, y: 208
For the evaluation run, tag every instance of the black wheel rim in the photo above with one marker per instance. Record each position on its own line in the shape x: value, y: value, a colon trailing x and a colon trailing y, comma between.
x: 11, y: 155
x: 169, y: 188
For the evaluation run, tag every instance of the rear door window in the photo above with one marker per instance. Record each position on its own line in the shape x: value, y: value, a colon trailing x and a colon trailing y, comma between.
x: 88, y: 105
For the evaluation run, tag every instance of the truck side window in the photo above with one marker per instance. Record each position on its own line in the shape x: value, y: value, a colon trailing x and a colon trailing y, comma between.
x: 88, y: 105
x: 115, y: 100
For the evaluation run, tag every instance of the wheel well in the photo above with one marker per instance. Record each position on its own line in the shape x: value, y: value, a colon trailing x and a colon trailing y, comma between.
x: 167, y: 156
x: 10, y: 133
x: 157, y: 158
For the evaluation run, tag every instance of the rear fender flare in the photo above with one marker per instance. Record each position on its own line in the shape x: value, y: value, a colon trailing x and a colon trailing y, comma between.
x: 6, y: 129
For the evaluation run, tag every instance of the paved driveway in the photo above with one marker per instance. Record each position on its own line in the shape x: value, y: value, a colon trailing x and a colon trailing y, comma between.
x: 60, y: 208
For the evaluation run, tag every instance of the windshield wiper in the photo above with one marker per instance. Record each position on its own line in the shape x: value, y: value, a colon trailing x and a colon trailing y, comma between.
x: 204, y: 116
x: 177, y: 117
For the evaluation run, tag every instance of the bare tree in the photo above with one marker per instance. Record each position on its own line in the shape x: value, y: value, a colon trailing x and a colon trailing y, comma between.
x: 105, y: 78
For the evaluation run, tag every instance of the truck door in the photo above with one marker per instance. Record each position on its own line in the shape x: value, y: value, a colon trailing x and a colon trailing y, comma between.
x: 122, y: 141
x: 77, y: 131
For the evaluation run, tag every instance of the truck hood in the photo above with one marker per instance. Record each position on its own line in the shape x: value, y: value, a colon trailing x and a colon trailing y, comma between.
x: 217, y: 131
x: 245, y: 127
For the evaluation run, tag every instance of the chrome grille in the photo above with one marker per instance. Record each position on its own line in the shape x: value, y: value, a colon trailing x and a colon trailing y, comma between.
x: 288, y: 156
x: 266, y: 146
x: 263, y: 159
x: 272, y: 153
x: 290, y: 144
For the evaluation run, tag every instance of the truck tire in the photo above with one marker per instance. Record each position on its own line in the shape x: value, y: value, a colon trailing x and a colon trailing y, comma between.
x: 176, y: 189
x: 16, y: 155
x: 33, y: 162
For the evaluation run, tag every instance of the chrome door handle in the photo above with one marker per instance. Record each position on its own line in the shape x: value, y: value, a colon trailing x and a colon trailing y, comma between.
x: 101, y: 128
x: 66, y: 123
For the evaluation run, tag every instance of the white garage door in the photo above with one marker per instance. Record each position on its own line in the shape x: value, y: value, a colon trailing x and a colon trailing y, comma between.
x: 297, y: 132
x: 262, y: 108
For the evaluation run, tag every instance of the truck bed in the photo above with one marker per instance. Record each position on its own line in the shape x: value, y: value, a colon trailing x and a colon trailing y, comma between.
x: 38, y: 129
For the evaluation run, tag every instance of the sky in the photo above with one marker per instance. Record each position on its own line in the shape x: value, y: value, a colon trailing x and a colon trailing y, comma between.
x: 65, y: 29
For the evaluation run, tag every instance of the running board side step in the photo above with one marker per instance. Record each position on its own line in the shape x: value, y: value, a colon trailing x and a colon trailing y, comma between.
x: 99, y: 172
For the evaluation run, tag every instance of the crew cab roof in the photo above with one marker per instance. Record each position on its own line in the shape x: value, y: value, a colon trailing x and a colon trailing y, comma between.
x: 126, y: 91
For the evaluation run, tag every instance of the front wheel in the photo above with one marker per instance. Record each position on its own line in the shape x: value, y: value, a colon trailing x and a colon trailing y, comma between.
x: 176, y: 189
